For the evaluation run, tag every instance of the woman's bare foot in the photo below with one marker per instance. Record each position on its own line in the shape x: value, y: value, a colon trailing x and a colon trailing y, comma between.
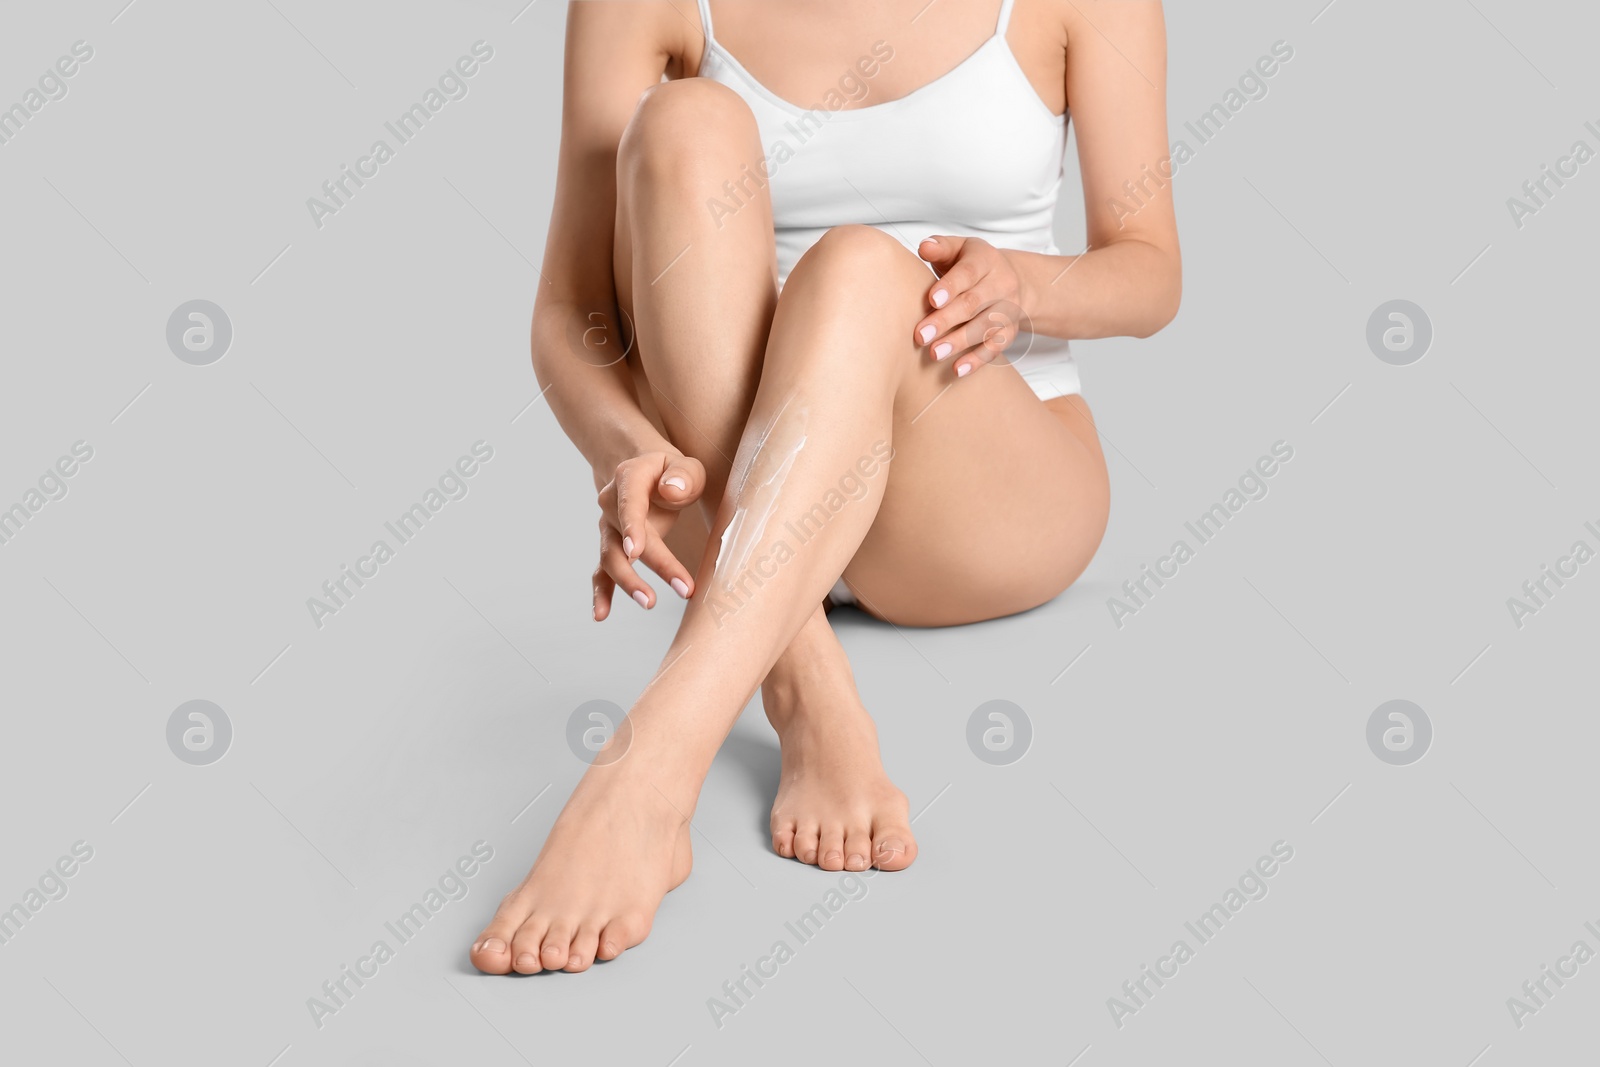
x: 617, y: 848
x: 836, y: 807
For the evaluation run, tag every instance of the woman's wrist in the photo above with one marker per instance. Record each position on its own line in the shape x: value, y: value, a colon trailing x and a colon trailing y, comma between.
x: 1025, y: 292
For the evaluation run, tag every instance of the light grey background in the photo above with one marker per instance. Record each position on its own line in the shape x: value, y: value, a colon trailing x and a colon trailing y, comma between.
x: 1228, y: 714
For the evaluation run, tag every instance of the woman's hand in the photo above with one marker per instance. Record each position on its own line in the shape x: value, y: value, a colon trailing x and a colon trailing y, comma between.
x: 637, y: 508
x: 976, y: 301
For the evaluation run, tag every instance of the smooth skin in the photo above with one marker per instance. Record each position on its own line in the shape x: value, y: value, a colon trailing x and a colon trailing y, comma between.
x: 690, y: 374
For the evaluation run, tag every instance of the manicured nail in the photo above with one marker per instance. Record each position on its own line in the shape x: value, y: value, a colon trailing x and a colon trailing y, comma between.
x: 680, y: 587
x: 940, y: 298
x: 677, y: 483
x: 963, y: 370
x: 927, y: 333
x: 640, y: 599
x: 941, y: 350
x: 627, y: 547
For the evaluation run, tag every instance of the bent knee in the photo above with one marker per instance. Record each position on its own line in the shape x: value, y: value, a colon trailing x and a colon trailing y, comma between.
x: 858, y: 252
x: 687, y: 120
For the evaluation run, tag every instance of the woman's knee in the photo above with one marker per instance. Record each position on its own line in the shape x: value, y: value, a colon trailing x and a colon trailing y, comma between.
x: 857, y: 289
x: 683, y: 125
x: 857, y: 255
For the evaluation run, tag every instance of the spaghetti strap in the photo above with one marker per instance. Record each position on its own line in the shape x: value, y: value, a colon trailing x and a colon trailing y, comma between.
x: 1000, y: 24
x: 705, y: 18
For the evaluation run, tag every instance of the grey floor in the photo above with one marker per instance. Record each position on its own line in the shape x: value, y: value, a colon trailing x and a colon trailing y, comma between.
x: 1145, y: 764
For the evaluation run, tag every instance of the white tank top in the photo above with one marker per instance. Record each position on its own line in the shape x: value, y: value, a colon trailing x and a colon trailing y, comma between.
x: 828, y: 165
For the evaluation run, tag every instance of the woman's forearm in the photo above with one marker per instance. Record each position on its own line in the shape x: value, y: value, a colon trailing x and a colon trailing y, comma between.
x: 590, y: 390
x: 1128, y: 288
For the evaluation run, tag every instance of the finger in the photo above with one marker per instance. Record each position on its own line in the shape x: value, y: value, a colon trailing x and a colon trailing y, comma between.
x: 991, y: 315
x: 983, y: 337
x: 956, y: 297
x: 615, y: 562
x: 681, y: 483
x: 634, y: 482
x: 992, y: 331
x: 941, y: 251
x: 659, y: 558
x: 603, y: 585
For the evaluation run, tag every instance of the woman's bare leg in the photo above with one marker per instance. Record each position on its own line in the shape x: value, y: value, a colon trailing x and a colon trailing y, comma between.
x: 700, y: 289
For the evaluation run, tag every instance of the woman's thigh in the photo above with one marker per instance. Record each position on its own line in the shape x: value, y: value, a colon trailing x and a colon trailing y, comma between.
x: 992, y: 507
x: 995, y: 500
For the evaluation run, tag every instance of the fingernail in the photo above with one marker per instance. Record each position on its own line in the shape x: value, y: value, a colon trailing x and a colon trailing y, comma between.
x: 642, y: 600
x: 963, y: 370
x: 627, y: 547
x: 940, y: 298
x: 680, y: 587
x: 941, y: 350
x: 676, y: 482
x: 926, y: 333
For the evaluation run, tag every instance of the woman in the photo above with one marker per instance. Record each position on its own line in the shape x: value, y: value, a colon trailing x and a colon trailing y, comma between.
x: 853, y: 412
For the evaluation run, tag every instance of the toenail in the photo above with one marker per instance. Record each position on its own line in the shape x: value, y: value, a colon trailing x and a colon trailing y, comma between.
x: 830, y: 857
x: 527, y: 960
x: 575, y: 961
x: 610, y: 947
x: 857, y: 862
x: 494, y: 945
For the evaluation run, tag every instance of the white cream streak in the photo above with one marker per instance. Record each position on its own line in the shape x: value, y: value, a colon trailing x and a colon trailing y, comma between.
x: 760, y: 485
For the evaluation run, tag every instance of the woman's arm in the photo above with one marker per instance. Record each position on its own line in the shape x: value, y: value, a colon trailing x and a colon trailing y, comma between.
x: 1129, y: 281
x: 615, y: 51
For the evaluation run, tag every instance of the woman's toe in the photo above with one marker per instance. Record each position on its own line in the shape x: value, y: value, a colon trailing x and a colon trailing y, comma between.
x: 581, y: 955
x: 857, y: 849
x: 491, y: 953
x: 893, y: 847
x: 806, y: 838
x: 783, y: 838
x: 620, y: 935
x: 830, y: 853
x: 557, y: 951
x: 525, y: 946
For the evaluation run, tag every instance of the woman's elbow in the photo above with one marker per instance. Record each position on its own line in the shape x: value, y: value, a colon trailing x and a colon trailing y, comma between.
x: 1165, y: 298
